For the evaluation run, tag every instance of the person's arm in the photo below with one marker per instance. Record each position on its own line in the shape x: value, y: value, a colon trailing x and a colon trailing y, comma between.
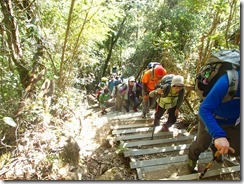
x: 144, y: 89
x: 209, y: 105
x: 206, y: 112
x: 113, y: 92
x: 145, y: 79
x: 101, y: 98
x: 180, y: 98
x: 153, y: 93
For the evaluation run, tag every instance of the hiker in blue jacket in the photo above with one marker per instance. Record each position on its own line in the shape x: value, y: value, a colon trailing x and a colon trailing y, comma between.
x: 219, y: 127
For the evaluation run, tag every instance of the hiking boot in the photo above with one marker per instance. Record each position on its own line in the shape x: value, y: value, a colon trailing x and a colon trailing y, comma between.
x: 143, y: 115
x: 164, y: 128
x: 191, y: 165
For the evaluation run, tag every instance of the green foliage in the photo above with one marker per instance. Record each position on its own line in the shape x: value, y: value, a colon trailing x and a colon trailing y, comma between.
x: 120, y: 149
x: 177, y: 33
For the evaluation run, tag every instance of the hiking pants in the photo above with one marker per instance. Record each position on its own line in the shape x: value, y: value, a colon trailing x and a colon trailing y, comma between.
x: 150, y: 103
x: 135, y: 101
x: 159, y: 113
x: 118, y: 103
x: 203, y: 140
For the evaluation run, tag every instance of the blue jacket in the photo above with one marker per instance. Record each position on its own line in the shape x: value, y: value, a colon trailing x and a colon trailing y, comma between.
x: 212, y: 105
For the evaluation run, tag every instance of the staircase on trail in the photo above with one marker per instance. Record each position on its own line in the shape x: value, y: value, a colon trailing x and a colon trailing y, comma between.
x: 165, y: 156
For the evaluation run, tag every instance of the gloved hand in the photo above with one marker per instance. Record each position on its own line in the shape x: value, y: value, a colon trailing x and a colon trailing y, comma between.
x: 160, y: 91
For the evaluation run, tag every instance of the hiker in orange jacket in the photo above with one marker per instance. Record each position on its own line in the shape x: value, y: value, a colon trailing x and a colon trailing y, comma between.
x: 150, y: 80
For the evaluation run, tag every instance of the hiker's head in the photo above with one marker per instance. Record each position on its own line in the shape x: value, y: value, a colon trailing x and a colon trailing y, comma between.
x: 177, y: 82
x: 131, y: 80
x: 159, y: 71
x: 106, y: 91
x: 104, y: 79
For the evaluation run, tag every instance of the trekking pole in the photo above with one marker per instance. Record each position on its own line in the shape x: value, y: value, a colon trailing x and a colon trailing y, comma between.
x: 216, y: 155
x: 154, y: 124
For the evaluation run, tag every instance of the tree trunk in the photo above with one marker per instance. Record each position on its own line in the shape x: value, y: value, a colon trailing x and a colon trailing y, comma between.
x: 12, y: 33
x: 61, y: 72
x: 113, y: 41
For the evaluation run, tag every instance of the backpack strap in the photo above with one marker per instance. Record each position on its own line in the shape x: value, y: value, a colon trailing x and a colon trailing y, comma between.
x: 151, y: 73
x: 166, y: 89
x: 233, y: 85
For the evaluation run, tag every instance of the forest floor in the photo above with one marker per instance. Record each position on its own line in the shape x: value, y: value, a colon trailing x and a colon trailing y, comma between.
x: 107, y: 156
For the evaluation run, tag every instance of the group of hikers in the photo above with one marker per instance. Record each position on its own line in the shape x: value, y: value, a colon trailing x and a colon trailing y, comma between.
x: 126, y: 92
x: 219, y: 120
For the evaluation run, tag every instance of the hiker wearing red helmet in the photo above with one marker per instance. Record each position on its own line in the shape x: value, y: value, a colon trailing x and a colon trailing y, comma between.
x: 150, y: 80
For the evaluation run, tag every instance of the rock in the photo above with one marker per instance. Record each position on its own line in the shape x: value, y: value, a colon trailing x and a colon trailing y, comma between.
x: 70, y: 151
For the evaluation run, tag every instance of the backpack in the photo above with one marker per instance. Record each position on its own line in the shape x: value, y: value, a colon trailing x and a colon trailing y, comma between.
x: 149, y: 66
x: 222, y: 62
x: 165, y: 84
x: 116, y: 84
x: 152, y: 65
x: 122, y: 88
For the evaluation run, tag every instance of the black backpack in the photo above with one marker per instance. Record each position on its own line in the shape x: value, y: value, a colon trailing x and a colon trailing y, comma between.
x: 165, y: 84
x: 222, y: 62
x: 152, y: 65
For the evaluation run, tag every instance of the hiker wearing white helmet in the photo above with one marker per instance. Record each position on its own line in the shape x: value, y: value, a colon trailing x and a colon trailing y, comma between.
x: 128, y: 91
x: 169, y: 96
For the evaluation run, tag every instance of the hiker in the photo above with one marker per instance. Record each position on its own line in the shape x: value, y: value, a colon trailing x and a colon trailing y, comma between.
x: 128, y: 91
x: 218, y: 127
x: 169, y: 96
x: 139, y: 91
x: 117, y: 96
x: 149, y: 66
x: 103, y: 84
x: 111, y: 83
x: 150, y: 80
x: 104, y: 100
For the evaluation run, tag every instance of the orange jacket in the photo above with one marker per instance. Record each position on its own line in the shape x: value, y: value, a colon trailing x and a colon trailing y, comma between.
x: 150, y: 80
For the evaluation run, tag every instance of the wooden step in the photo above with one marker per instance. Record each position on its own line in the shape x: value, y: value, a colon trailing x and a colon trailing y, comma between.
x: 143, y: 129
x: 132, y: 126
x: 162, y: 161
x: 209, y: 173
x: 155, y: 141
x: 144, y: 152
x: 143, y: 136
x: 137, y: 152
